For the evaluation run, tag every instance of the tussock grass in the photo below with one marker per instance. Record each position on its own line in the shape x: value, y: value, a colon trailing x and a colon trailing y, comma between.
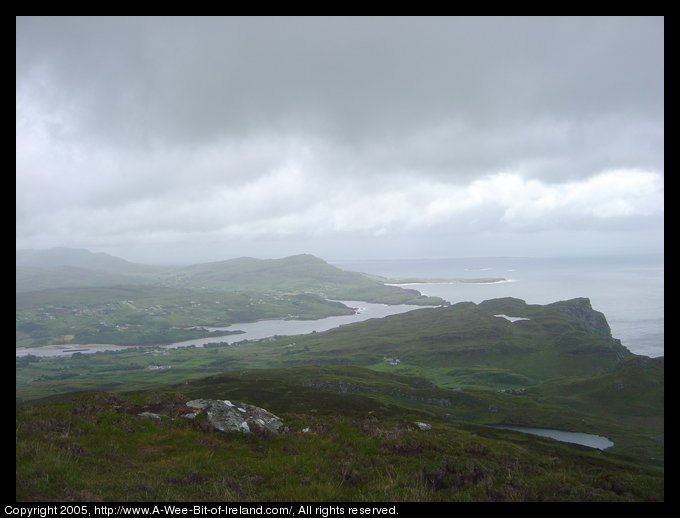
x: 96, y: 447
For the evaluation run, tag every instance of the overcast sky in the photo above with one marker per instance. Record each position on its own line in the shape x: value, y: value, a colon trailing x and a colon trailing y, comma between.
x: 173, y: 140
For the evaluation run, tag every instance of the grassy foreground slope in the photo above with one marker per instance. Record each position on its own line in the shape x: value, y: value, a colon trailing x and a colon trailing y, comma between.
x: 334, y: 447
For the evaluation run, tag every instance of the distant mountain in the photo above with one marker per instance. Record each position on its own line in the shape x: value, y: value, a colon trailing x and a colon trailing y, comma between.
x: 79, y: 258
x: 67, y: 267
x: 298, y: 273
x: 32, y: 278
x: 71, y: 267
x: 281, y: 274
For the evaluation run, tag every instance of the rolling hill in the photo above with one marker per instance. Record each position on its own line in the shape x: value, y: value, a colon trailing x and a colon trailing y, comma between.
x: 65, y: 268
x: 299, y: 273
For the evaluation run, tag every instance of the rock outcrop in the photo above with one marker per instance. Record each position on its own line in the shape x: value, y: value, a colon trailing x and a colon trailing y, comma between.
x: 235, y: 416
x: 581, y: 310
x: 592, y: 321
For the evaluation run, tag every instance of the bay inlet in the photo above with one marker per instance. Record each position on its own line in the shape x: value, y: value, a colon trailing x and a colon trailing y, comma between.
x: 248, y: 330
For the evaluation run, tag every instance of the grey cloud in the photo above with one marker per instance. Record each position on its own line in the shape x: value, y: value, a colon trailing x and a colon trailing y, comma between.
x: 352, y: 78
x: 225, y: 127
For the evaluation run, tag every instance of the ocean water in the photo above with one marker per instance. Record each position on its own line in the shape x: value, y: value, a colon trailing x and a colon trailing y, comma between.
x: 629, y: 290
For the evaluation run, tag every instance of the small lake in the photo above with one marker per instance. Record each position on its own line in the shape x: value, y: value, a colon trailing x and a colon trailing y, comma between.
x: 584, y: 439
x: 250, y: 330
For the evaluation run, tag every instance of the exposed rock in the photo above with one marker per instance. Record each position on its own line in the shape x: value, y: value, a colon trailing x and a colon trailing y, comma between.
x: 581, y: 310
x: 235, y: 416
x: 151, y: 415
x: 512, y: 391
x: 592, y: 321
x: 424, y: 426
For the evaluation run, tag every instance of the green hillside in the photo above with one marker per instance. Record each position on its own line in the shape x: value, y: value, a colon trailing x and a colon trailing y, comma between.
x: 140, y: 315
x: 463, y: 345
x: 67, y: 268
x: 299, y: 273
x: 632, y: 389
x: 363, y: 443
x: 466, y: 345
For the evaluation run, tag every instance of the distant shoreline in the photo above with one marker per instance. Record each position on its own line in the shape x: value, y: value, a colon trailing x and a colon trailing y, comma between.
x: 77, y: 347
x: 414, y: 281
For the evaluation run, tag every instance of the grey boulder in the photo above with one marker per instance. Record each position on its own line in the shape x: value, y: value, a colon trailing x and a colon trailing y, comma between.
x: 235, y: 416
